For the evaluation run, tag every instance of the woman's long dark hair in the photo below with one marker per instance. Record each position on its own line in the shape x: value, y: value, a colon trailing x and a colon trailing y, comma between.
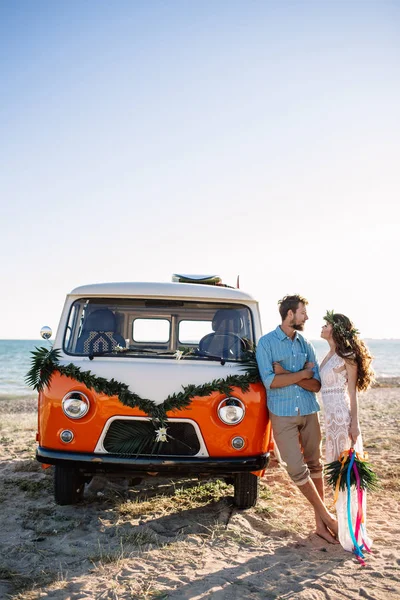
x: 350, y: 347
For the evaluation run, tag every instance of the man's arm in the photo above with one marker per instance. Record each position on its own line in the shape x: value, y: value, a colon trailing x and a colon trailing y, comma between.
x: 264, y: 361
x: 316, y: 381
x: 311, y: 385
x: 307, y: 382
x: 270, y: 378
x: 287, y: 378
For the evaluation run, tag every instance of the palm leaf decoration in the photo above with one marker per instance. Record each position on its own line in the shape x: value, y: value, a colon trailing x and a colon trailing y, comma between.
x: 44, y: 362
x: 131, y: 439
x: 250, y: 365
x: 336, y: 473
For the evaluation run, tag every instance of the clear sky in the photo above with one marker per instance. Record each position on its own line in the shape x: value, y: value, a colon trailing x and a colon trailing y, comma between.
x: 142, y: 138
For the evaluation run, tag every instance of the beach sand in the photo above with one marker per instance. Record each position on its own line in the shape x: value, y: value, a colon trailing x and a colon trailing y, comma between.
x: 185, y: 540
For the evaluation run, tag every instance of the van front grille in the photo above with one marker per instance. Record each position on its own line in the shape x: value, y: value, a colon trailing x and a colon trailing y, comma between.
x: 137, y: 438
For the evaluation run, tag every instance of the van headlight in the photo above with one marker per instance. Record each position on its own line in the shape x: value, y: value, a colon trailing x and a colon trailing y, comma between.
x: 75, y: 405
x: 231, y: 411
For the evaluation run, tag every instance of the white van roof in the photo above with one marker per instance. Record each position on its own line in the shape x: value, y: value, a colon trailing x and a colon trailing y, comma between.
x: 168, y: 290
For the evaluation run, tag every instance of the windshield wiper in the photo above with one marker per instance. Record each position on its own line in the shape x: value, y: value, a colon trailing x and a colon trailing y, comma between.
x: 123, y: 351
x: 211, y: 357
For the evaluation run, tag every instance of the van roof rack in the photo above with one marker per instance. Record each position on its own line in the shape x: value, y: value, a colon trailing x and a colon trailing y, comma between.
x: 203, y: 279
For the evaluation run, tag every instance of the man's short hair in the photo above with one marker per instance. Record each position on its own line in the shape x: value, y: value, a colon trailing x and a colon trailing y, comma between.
x: 290, y: 303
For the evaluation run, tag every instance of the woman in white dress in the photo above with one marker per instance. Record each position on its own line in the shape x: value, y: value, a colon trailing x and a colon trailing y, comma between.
x: 345, y: 370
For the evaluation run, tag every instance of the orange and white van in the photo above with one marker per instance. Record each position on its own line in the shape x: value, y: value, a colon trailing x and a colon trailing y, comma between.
x: 155, y: 341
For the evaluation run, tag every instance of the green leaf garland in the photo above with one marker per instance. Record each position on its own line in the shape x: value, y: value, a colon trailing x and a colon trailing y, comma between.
x: 45, y: 362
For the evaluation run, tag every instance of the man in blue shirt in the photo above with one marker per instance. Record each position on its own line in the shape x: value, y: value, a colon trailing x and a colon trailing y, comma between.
x: 289, y: 371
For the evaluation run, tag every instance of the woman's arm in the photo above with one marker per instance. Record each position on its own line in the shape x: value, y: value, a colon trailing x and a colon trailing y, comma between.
x: 351, y: 369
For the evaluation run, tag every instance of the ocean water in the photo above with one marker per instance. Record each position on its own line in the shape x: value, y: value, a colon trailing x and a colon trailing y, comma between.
x: 15, y: 361
x: 386, y: 355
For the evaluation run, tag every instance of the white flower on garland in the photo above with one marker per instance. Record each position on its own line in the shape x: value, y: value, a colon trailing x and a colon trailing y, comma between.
x: 118, y: 348
x: 178, y: 354
x: 161, y: 435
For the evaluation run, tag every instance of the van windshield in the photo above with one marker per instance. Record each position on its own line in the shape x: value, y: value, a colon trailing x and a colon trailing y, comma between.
x: 158, y: 328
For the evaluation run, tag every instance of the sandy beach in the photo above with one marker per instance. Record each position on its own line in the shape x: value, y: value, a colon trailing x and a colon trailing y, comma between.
x: 184, y: 539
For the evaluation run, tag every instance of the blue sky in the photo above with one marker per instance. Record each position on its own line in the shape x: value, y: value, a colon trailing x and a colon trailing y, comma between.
x: 144, y: 138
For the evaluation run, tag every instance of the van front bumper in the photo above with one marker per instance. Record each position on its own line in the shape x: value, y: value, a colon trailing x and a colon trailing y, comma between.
x: 113, y: 463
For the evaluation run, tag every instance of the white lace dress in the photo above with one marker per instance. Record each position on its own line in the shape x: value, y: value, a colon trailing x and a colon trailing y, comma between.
x: 337, y: 417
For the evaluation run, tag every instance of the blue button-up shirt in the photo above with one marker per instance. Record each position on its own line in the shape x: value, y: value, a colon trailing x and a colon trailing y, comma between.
x: 290, y: 400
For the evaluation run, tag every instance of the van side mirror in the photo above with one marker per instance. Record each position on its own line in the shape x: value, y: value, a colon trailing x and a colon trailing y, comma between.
x: 46, y: 332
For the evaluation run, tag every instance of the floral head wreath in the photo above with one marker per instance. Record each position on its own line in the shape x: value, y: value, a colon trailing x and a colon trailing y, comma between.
x: 347, y: 334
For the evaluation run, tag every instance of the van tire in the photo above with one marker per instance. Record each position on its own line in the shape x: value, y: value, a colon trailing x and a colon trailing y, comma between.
x: 245, y: 490
x: 68, y: 485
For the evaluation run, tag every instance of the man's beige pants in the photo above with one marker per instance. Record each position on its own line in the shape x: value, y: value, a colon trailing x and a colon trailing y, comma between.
x: 299, y: 444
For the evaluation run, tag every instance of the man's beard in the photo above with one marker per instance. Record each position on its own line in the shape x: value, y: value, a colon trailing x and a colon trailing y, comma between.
x: 297, y: 326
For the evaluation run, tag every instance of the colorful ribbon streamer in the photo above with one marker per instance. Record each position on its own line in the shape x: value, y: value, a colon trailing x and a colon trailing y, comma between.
x: 343, y: 459
x: 358, y: 547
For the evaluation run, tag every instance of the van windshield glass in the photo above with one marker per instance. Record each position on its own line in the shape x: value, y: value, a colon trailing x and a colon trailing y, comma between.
x: 158, y: 328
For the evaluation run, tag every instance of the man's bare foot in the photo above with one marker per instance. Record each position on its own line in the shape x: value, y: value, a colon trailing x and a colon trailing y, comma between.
x: 332, y: 525
x: 326, y: 522
x: 324, y: 533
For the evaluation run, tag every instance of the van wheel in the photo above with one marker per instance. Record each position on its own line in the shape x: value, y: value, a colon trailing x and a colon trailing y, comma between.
x: 68, y: 485
x: 246, y: 490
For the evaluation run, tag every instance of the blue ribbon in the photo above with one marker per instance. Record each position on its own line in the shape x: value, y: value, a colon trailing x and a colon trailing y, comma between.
x: 357, y: 549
